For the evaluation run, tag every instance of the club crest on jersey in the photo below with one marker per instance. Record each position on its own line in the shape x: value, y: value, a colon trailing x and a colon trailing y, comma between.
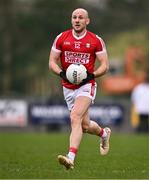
x: 88, y: 45
x: 77, y: 45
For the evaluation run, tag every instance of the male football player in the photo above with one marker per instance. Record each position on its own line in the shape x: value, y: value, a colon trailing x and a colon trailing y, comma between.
x: 78, y: 45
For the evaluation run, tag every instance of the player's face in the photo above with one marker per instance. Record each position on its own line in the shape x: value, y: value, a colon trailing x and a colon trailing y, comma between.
x: 79, y: 20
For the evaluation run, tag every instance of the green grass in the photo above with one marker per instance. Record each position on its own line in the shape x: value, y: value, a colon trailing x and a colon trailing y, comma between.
x: 34, y: 156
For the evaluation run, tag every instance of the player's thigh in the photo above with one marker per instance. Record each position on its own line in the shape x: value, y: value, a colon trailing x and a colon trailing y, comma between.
x: 81, y: 106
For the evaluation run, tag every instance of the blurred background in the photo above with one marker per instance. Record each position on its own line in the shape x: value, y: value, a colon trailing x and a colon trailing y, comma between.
x: 31, y: 96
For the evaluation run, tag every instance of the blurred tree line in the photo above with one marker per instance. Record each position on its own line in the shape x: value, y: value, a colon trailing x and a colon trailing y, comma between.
x: 28, y: 28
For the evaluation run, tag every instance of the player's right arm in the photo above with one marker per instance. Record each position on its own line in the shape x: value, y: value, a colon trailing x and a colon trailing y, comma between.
x: 53, y: 65
x: 53, y: 62
x: 55, y: 57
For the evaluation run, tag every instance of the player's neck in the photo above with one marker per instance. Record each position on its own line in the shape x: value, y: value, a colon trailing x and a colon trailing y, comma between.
x: 79, y: 34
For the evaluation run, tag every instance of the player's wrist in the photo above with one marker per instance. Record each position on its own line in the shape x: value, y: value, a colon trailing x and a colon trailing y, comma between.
x: 94, y: 74
x: 90, y: 76
x: 61, y: 73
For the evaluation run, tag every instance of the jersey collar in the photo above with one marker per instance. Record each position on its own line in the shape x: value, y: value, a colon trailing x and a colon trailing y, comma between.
x: 80, y: 37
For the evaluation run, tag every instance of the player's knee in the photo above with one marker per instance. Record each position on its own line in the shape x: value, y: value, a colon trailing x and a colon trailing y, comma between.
x: 75, y: 118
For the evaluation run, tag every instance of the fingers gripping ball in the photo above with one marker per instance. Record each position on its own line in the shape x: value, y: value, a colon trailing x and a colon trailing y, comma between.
x: 75, y: 73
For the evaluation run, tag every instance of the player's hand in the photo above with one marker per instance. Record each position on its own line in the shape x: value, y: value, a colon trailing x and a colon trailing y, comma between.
x: 90, y: 76
x: 63, y: 75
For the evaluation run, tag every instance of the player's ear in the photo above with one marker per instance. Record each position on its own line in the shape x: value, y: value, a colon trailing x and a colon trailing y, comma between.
x: 87, y: 21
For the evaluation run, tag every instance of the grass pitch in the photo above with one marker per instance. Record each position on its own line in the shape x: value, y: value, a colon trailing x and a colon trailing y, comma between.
x: 34, y: 156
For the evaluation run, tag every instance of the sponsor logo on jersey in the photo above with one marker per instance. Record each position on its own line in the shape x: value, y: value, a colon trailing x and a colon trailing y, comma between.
x: 77, y: 57
x: 88, y: 45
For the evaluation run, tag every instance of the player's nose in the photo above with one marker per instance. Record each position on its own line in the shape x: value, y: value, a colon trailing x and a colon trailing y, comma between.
x: 77, y: 20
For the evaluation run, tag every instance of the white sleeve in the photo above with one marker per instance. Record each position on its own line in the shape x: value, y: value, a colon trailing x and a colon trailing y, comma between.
x: 54, y: 46
x: 104, y: 51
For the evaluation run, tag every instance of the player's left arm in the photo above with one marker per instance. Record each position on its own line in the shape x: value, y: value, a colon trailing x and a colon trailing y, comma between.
x: 104, y: 64
x: 101, y: 70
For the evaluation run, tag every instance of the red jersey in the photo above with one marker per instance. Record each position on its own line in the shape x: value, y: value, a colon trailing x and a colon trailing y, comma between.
x: 80, y: 50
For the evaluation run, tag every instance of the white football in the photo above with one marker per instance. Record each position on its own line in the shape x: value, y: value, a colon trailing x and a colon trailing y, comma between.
x: 75, y: 73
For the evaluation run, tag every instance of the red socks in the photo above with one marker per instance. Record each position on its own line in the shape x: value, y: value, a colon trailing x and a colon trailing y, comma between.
x: 72, y: 153
x: 73, y: 150
x: 101, y: 132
